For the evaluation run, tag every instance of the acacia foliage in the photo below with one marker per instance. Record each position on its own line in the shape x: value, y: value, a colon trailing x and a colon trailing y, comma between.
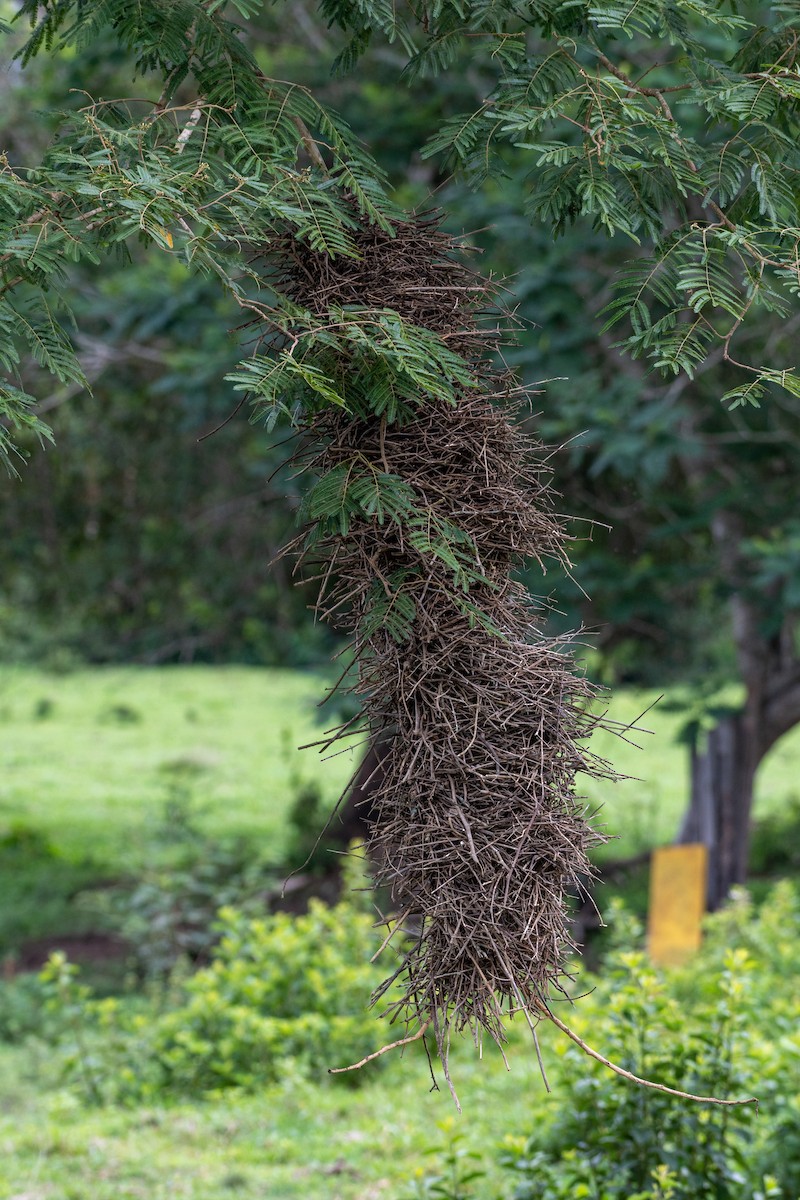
x: 673, y: 123
x: 202, y: 180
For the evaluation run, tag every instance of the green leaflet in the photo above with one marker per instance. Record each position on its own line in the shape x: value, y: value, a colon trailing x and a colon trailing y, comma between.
x: 15, y: 410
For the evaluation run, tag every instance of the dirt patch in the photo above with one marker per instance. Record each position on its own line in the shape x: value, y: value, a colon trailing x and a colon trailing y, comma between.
x: 79, y: 948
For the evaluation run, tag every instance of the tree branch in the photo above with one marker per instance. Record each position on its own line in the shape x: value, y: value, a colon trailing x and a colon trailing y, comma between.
x: 648, y: 1083
x: 312, y: 149
x: 383, y: 1050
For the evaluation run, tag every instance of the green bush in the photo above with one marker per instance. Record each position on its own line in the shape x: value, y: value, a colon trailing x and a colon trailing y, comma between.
x: 612, y: 1139
x: 21, y: 1008
x: 725, y: 1025
x: 768, y: 934
x: 456, y: 1169
x: 170, y: 914
x: 277, y: 988
x: 103, y: 1043
x: 775, y: 845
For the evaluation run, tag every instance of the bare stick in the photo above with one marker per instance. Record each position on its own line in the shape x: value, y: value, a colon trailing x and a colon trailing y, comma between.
x: 229, y: 418
x: 392, y: 931
x: 659, y: 1087
x: 383, y: 1050
x: 312, y: 149
x: 189, y: 128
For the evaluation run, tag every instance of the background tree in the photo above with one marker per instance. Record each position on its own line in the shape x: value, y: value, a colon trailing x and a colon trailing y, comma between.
x: 675, y: 125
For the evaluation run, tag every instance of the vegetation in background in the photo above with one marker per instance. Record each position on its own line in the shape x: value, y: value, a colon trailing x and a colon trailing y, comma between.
x: 724, y: 1023
x: 278, y: 993
x: 209, y: 750
x: 693, y: 153
x: 161, y: 790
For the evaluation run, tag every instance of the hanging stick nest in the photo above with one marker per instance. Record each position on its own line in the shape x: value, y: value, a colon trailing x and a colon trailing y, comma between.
x: 427, y: 502
x: 478, y: 833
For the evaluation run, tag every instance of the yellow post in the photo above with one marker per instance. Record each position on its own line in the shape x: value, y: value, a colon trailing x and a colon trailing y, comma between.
x: 677, y: 902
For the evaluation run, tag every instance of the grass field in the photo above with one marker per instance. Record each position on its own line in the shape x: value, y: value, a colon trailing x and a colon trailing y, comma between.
x: 294, y: 1141
x: 89, y: 756
x: 88, y: 759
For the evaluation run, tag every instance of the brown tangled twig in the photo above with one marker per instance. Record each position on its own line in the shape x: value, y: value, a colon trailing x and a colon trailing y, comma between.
x: 478, y: 832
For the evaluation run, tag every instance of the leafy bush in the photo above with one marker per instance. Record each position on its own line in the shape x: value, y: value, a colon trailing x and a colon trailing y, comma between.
x: 455, y: 1172
x: 775, y: 845
x: 21, y: 1008
x: 104, y: 1043
x: 609, y: 1137
x: 278, y: 987
x: 170, y: 914
x: 725, y: 1026
x: 769, y: 936
x: 703, y: 1029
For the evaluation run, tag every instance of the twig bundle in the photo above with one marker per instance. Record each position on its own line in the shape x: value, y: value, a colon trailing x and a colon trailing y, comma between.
x: 478, y: 832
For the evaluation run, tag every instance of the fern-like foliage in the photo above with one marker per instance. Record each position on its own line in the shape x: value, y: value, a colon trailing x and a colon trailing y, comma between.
x: 356, y: 491
x: 248, y: 160
x: 355, y: 496
x: 370, y: 362
x: 672, y: 123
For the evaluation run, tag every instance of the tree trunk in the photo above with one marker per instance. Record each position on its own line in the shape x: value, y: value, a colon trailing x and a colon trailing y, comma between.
x: 722, y: 779
x: 723, y: 772
x: 355, y: 816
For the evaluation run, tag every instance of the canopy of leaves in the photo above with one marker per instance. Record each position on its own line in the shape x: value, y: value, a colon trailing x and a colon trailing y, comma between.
x: 203, y: 180
x: 511, y: 63
x: 673, y: 124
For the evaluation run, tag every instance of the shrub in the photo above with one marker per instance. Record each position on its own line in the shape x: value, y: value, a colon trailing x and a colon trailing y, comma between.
x: 724, y: 1025
x: 170, y: 914
x: 278, y: 987
x: 609, y: 1137
x: 21, y: 1008
x: 99, y: 1039
x: 775, y: 845
x: 456, y: 1169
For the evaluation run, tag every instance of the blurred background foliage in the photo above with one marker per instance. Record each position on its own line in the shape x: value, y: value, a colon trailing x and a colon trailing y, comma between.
x: 145, y: 536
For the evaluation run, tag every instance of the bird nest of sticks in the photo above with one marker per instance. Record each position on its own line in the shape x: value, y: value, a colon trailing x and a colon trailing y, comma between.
x: 478, y: 833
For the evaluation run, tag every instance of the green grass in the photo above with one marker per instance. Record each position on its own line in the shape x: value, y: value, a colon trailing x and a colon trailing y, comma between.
x: 88, y: 756
x: 299, y: 1140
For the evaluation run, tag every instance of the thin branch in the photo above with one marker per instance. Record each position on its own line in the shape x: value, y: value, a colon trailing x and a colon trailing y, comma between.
x: 229, y: 418
x: 648, y: 1083
x: 658, y: 94
x: 392, y: 931
x: 423, y: 1029
x: 637, y: 87
x: 312, y: 149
